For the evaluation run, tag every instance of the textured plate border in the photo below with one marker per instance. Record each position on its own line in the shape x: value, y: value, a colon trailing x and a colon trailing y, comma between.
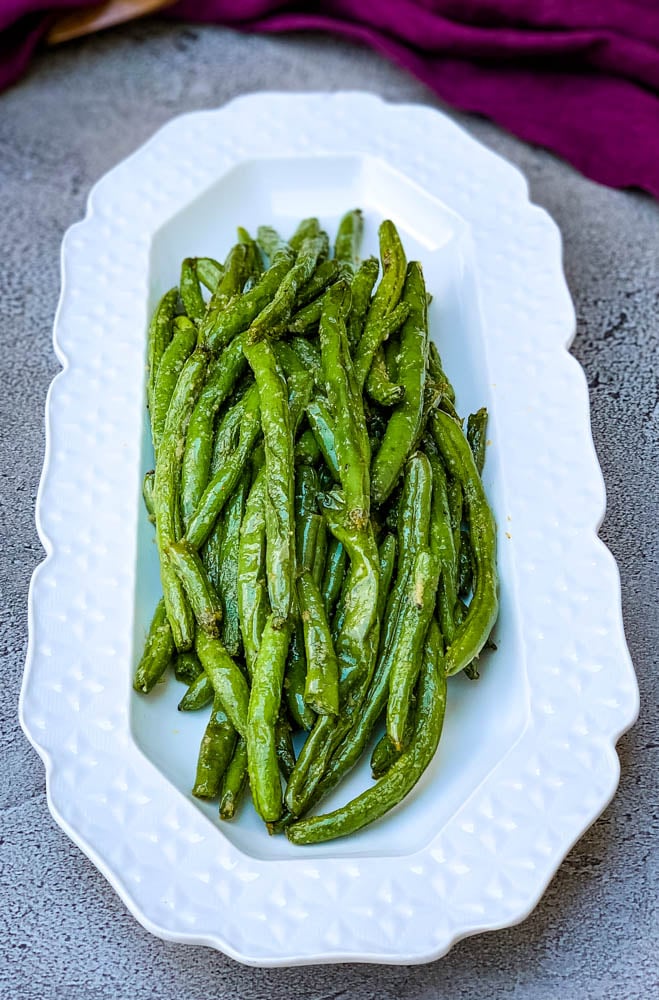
x: 489, y: 865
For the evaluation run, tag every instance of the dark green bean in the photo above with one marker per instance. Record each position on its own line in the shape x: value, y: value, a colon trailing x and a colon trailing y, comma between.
x: 294, y: 680
x: 413, y: 622
x: 199, y: 694
x: 166, y: 492
x: 228, y: 682
x: 159, y: 336
x: 278, y: 310
x: 224, y: 482
x: 227, y: 587
x: 405, y: 772
x: 280, y: 486
x: 193, y: 300
x: 174, y: 357
x: 472, y: 634
x: 321, y: 689
x: 198, y: 588
x: 361, y: 287
x: 384, y: 301
x: 243, y: 309
x: 443, y: 544
x: 284, y: 743
x: 234, y: 781
x: 335, y: 569
x: 321, y: 424
x: 158, y: 652
x: 465, y: 564
x: 379, y: 385
x: 222, y: 377
x: 253, y: 604
x: 349, y: 237
x: 405, y: 421
x: 215, y: 752
x: 477, y: 436
x: 320, y: 551
x: 307, y: 229
x: 264, y: 702
x: 346, y: 406
x: 187, y: 667
x: 209, y: 272
x: 307, y: 451
x: 324, y: 275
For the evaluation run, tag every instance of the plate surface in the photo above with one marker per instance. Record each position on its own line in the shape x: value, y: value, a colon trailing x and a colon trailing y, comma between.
x: 527, y: 760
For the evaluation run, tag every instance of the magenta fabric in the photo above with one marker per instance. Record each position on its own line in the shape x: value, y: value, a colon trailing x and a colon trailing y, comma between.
x: 579, y: 77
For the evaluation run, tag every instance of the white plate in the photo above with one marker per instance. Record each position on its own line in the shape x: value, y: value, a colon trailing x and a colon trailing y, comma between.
x: 527, y: 760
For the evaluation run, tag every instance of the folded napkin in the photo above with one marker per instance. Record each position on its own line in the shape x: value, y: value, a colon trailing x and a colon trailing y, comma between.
x: 580, y: 77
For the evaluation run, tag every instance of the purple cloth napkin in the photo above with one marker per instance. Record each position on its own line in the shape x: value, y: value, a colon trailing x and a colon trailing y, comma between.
x: 580, y: 77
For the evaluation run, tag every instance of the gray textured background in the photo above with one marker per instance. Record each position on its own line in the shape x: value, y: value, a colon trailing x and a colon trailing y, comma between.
x: 63, y: 932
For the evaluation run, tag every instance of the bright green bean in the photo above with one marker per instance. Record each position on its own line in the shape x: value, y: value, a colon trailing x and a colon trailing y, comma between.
x: 215, y: 752
x: 228, y: 682
x: 158, y: 652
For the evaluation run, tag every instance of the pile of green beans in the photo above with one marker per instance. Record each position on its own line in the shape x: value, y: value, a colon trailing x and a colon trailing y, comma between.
x: 327, y: 550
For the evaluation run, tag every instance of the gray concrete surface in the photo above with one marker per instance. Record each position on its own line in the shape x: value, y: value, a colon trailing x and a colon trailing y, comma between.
x: 63, y: 932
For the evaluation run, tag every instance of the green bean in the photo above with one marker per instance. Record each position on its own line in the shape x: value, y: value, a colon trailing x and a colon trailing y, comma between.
x: 284, y: 743
x: 227, y: 585
x: 193, y: 300
x: 271, y: 242
x: 307, y: 229
x: 187, y: 667
x: 455, y: 506
x: 199, y: 694
x: 322, y: 682
x: 158, y: 651
x: 215, y: 752
x: 234, y: 781
x: 252, y: 593
x: 309, y: 355
x: 384, y: 301
x: 280, y: 487
x: 174, y: 357
x: 405, y: 421
x: 346, y: 406
x: 349, y: 237
x: 361, y: 287
x: 147, y: 494
x: 227, y: 432
x: 166, y: 492
x: 307, y: 451
x: 324, y: 275
x: 306, y: 319
x: 209, y: 272
x: 437, y: 371
x: 356, y: 649
x: 414, y: 620
x: 306, y: 527
x: 236, y: 269
x: 384, y: 752
x: 477, y: 436
x: 320, y: 552
x: 264, y: 704
x: 159, y: 336
x: 335, y: 568
x: 279, y: 309
x: 294, y: 680
x: 228, y: 682
x: 243, y: 309
x: 254, y: 259
x: 465, y: 564
x: 472, y: 634
x: 198, y: 588
x: 195, y: 471
x: 224, y: 482
x: 379, y: 385
x: 443, y: 544
x: 405, y: 772
x: 321, y: 424
x: 300, y: 389
x: 413, y: 526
